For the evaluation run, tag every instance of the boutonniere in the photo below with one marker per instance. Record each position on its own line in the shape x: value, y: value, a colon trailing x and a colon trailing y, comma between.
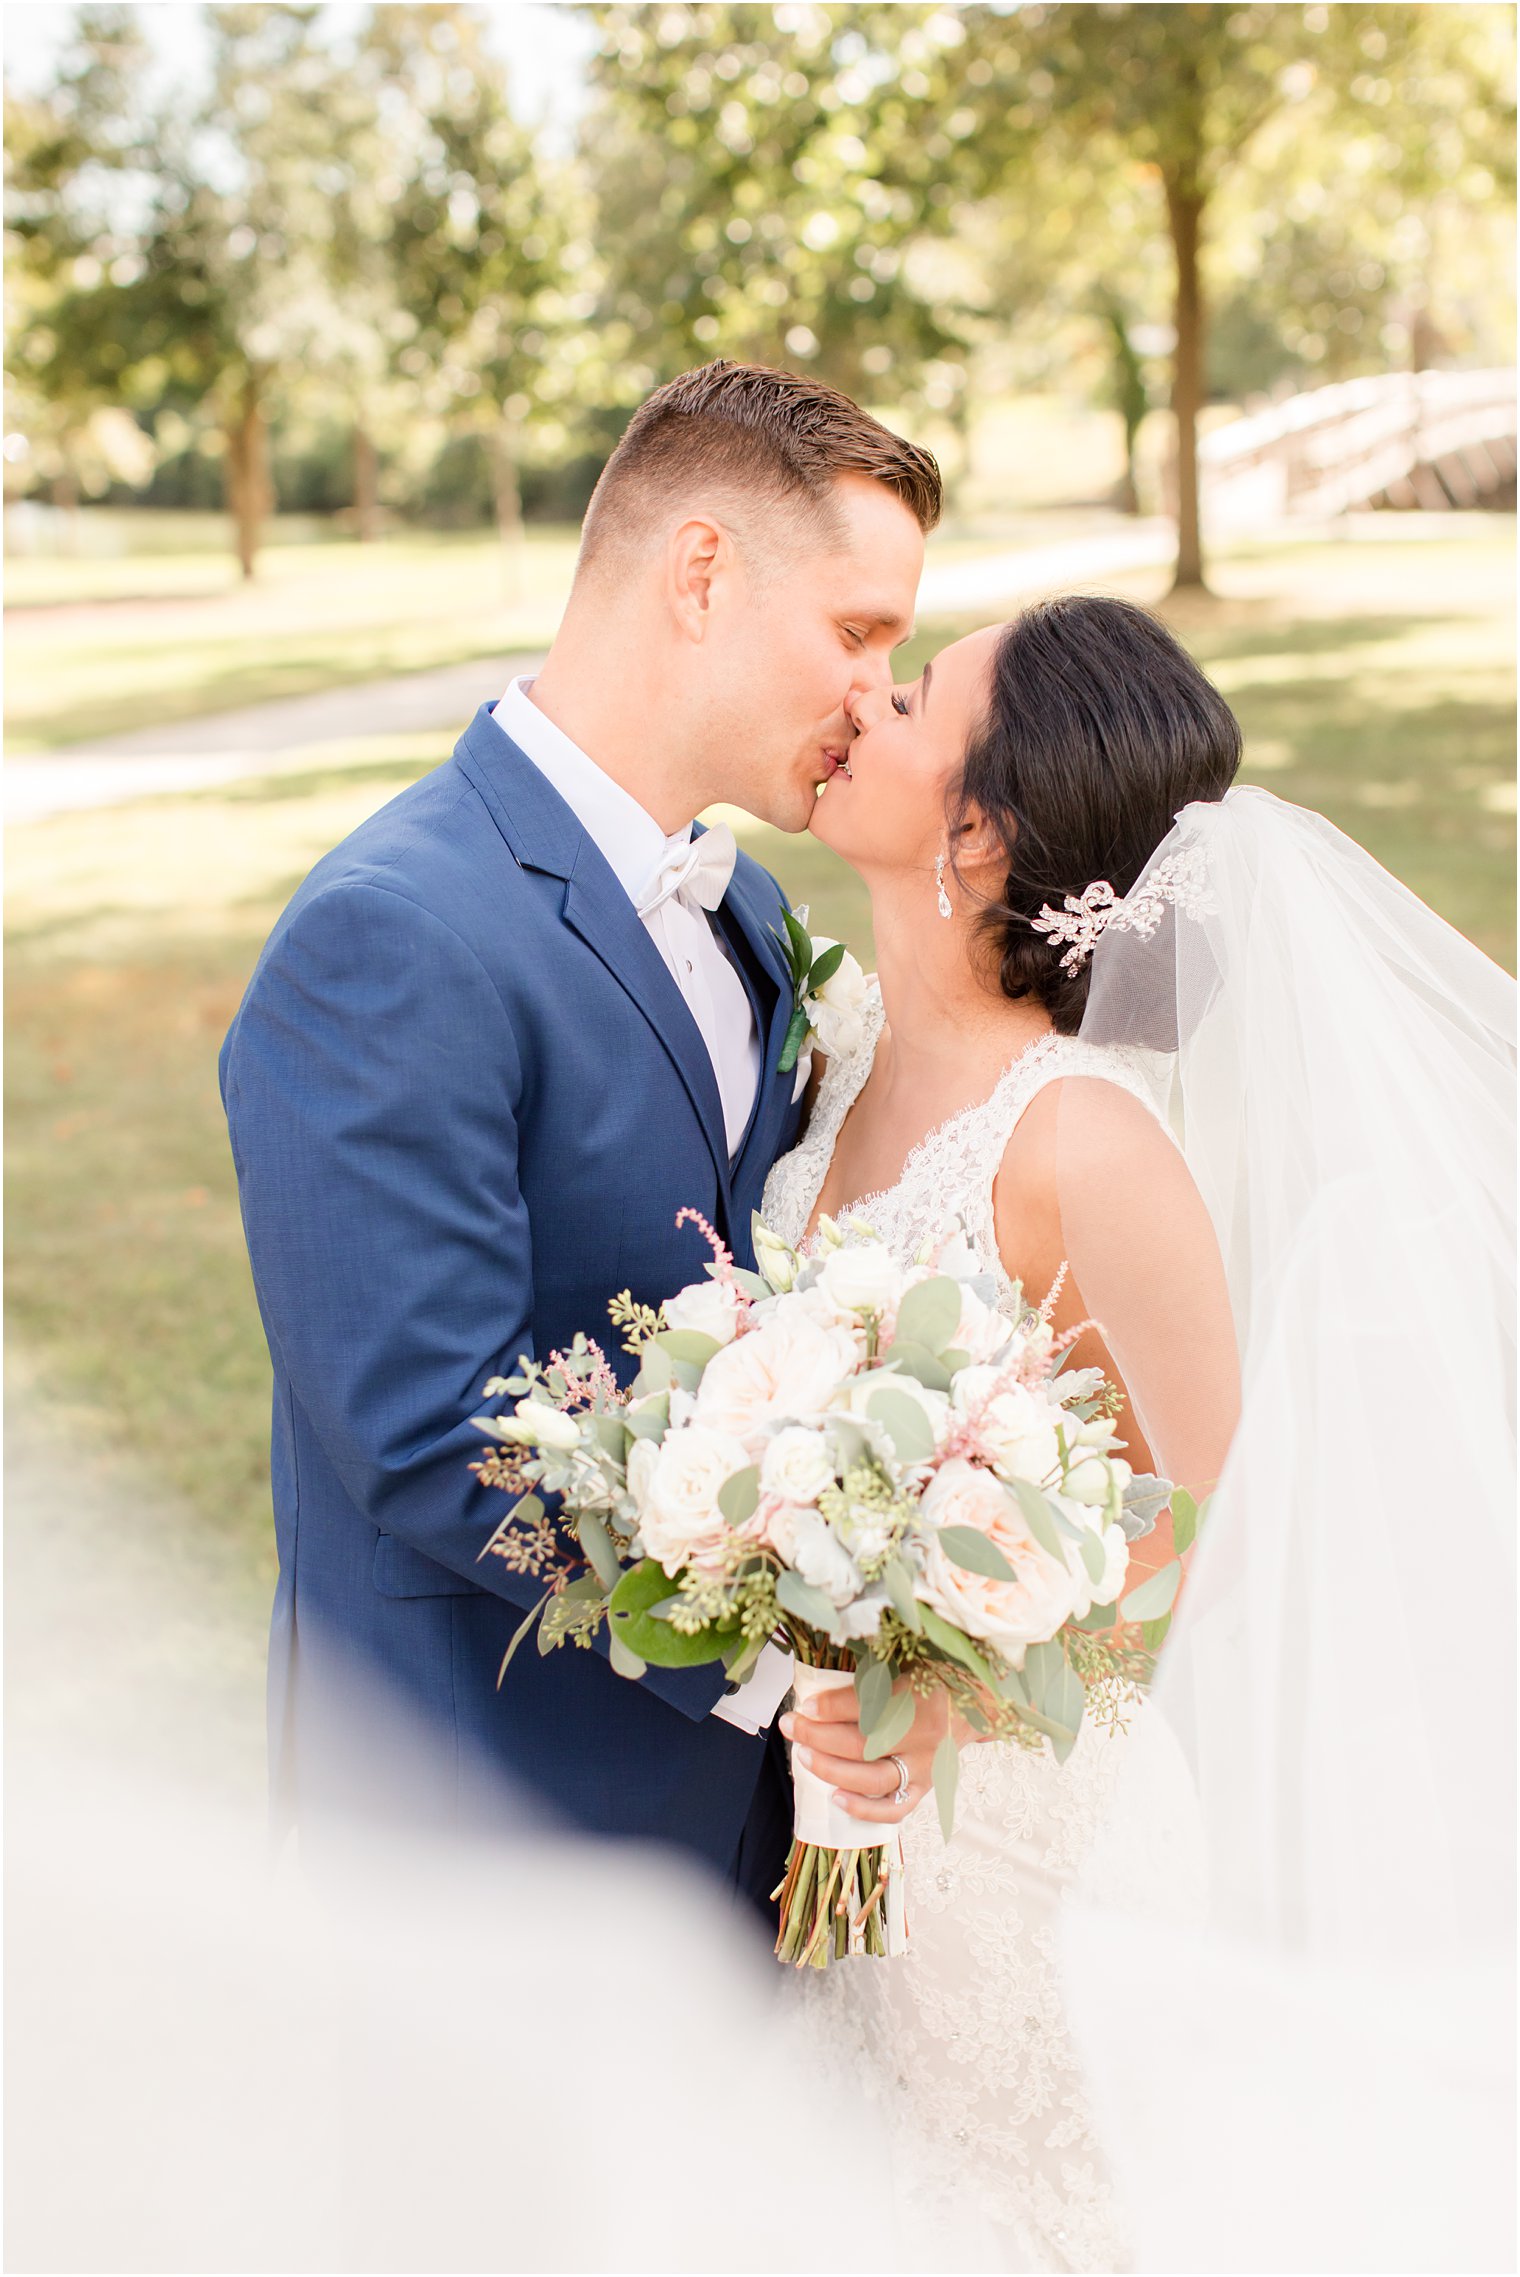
x: 828, y: 993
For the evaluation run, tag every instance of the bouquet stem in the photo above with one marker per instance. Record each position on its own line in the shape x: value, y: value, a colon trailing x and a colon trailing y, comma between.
x: 834, y: 1899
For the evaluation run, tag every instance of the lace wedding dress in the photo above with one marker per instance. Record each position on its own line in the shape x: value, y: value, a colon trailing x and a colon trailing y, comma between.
x: 962, y: 2042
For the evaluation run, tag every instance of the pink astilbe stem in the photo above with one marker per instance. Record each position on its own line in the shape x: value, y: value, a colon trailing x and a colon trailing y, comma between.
x: 1052, y: 1295
x: 723, y: 1258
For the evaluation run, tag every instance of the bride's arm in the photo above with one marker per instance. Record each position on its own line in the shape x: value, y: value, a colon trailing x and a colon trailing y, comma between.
x: 1092, y: 1182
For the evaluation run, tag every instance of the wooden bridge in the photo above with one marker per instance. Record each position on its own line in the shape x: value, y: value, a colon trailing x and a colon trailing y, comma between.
x: 1437, y: 440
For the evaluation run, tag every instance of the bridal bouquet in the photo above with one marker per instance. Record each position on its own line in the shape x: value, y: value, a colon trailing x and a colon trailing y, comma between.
x: 870, y: 1462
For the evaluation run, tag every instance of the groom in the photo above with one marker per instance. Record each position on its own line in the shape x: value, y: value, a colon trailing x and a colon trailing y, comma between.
x: 499, y: 1038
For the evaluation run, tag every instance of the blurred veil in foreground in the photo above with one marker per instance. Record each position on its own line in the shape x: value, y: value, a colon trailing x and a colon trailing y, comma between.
x: 534, y: 2055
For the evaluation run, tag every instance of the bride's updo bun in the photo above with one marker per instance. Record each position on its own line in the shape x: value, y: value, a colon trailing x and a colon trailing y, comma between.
x: 1099, y: 729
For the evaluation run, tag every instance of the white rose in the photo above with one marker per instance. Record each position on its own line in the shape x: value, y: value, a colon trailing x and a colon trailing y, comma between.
x: 864, y: 1277
x: 837, y: 1012
x: 679, y: 1519
x: 548, y: 1426
x: 1115, y: 1549
x: 1008, y: 1615
x: 642, y: 1457
x: 1115, y: 1567
x: 822, y: 1559
x: 1016, y: 1431
x: 795, y: 1466
x: 711, y: 1308
x: 785, y: 1370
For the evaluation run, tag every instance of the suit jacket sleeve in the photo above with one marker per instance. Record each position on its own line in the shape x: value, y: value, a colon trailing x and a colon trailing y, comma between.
x: 373, y: 1085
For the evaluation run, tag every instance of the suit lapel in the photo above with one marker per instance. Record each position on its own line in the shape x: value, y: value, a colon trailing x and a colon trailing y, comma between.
x: 747, y: 917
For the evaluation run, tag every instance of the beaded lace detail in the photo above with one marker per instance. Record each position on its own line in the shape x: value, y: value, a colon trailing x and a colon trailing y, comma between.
x: 962, y: 2043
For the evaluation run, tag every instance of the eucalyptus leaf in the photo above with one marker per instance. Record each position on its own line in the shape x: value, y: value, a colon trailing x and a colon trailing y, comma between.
x: 1154, y: 1596
x: 1184, y: 1521
x: 974, y: 1553
x: 907, y: 1426
x: 894, y: 1724
x: 947, y: 1772
x: 1153, y: 1633
x: 954, y: 1359
x: 651, y: 1423
x: 930, y: 1314
x: 624, y: 1662
x: 753, y: 1284
x: 517, y: 1637
x: 739, y: 1494
x: 873, y: 1689
x: 611, y: 1436
x: 597, y: 1544
x: 687, y: 1344
x: 794, y: 1595
x: 918, y: 1361
x: 1098, y: 1618
x: 824, y: 968
x: 1094, y: 1556
x: 1056, y: 1692
x: 1011, y: 1686
x: 656, y: 1371
x: 899, y: 1587
x: 1039, y: 1518
x: 952, y: 1644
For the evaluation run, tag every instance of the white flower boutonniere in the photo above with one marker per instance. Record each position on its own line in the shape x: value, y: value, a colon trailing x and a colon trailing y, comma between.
x: 828, y: 994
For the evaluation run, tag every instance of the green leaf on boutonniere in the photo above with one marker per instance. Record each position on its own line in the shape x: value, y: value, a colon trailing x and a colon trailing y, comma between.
x: 799, y: 946
x: 796, y: 1037
x: 824, y: 969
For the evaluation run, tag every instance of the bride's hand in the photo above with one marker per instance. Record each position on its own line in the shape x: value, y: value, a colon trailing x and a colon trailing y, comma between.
x: 831, y: 1745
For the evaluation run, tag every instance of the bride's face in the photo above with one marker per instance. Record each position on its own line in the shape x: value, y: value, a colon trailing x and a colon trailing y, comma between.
x: 884, y: 808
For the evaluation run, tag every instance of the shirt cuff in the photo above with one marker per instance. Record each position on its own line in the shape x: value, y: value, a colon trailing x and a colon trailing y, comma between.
x: 752, y: 1705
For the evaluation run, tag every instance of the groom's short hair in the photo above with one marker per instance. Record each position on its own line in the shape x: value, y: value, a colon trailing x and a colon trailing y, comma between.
x: 752, y: 437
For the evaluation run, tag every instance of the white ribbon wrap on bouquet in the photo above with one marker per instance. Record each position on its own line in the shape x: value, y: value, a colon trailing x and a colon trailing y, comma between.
x: 818, y: 1819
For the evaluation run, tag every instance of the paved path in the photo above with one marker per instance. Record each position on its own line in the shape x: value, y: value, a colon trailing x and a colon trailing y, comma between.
x: 297, y: 734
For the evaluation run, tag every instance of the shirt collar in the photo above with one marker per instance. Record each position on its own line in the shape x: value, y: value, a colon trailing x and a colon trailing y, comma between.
x: 624, y: 833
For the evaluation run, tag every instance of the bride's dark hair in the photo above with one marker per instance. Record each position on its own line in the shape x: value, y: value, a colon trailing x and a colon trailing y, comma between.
x: 1099, y: 729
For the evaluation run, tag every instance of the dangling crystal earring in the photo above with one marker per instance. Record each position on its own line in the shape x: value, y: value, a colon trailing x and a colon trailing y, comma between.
x: 939, y: 878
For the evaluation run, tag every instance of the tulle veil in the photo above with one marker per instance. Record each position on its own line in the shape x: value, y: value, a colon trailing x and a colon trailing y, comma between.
x: 1289, y: 1961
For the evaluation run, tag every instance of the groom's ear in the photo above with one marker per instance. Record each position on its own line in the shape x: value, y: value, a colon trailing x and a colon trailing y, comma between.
x: 700, y: 553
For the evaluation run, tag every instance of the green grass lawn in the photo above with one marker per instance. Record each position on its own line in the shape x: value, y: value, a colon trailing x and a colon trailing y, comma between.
x: 176, y: 637
x: 1373, y: 680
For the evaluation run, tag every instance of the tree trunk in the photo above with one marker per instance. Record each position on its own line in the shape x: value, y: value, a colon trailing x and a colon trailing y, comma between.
x: 249, y: 495
x: 1184, y: 206
x: 366, y: 485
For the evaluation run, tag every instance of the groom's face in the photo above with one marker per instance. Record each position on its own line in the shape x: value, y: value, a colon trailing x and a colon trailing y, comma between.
x: 804, y: 641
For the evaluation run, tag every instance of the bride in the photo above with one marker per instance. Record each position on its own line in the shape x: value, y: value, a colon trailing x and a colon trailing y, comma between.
x: 1186, y: 1058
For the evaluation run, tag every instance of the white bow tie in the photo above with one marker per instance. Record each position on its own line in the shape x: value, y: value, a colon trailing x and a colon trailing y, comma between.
x: 698, y: 874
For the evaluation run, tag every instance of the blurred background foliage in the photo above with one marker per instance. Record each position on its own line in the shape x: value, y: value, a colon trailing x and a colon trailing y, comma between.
x: 343, y: 273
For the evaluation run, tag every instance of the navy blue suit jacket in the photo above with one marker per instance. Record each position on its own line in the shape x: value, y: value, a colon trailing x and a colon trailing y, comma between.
x: 466, y: 1102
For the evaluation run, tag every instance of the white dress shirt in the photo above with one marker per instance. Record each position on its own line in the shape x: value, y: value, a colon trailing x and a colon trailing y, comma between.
x: 636, y: 850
